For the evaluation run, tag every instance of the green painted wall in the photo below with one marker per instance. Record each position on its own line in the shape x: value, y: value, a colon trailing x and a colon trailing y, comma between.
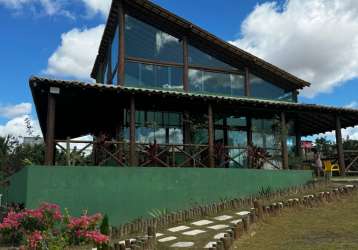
x: 129, y: 193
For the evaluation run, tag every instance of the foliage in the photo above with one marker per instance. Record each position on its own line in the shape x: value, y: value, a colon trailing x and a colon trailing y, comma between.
x: 257, y: 157
x: 156, y: 213
x: 325, y: 146
x: 104, y: 228
x: 265, y: 192
x: 350, y: 144
x: 46, y: 228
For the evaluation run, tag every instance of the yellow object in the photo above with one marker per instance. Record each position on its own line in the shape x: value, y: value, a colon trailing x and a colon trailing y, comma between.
x: 329, y: 167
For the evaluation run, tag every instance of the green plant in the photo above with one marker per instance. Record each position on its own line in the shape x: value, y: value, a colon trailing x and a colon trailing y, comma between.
x: 104, y: 227
x: 265, y: 192
x: 156, y: 213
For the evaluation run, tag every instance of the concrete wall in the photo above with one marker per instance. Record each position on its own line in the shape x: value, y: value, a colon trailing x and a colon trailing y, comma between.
x: 129, y: 193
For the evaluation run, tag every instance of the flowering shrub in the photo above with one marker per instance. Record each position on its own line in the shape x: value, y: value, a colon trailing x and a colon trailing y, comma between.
x: 46, y: 228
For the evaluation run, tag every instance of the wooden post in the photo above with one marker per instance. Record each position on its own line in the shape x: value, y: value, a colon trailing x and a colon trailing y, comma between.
x: 121, y: 51
x: 298, y: 139
x: 186, y: 65
x: 249, y: 140
x: 247, y: 82
x: 68, y: 151
x: 211, y: 136
x: 50, y: 130
x: 339, y: 142
x: 132, y: 133
x: 284, y: 141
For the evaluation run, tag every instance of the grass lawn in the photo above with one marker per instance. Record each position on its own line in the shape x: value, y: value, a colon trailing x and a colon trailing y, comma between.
x: 332, y: 226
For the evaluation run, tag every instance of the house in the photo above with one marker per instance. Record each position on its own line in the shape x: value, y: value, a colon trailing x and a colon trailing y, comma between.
x: 170, y: 94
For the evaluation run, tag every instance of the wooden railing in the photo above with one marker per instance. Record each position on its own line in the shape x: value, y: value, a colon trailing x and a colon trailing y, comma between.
x: 77, y: 152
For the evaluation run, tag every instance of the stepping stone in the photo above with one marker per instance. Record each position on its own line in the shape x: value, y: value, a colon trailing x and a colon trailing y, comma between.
x: 183, y: 244
x: 223, y: 217
x: 170, y: 238
x: 202, y: 222
x: 178, y: 229
x: 349, y: 186
x: 219, y: 236
x: 210, y: 244
x: 243, y: 213
x: 158, y: 235
x: 194, y: 232
x: 236, y: 221
x: 218, y: 227
x: 122, y: 242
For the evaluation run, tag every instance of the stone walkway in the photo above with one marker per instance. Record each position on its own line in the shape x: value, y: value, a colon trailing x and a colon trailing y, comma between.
x: 201, y: 234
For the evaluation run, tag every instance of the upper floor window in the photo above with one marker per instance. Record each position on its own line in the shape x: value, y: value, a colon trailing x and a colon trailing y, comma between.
x: 153, y: 76
x: 216, y: 83
x: 261, y: 88
x: 200, y: 58
x: 147, y: 42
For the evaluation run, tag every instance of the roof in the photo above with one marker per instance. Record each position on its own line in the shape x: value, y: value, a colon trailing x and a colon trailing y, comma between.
x: 147, y: 9
x: 84, y: 107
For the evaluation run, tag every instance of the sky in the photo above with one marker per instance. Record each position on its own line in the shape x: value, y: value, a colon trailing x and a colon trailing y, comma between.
x: 316, y: 40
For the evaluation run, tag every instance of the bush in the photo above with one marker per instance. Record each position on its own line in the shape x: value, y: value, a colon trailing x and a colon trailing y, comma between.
x: 46, y: 228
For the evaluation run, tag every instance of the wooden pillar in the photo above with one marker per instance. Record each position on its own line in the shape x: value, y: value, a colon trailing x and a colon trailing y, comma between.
x: 50, y: 130
x: 247, y: 82
x: 186, y: 127
x: 211, y: 136
x: 121, y: 51
x: 132, y: 134
x: 284, y: 141
x: 339, y: 142
x: 249, y: 140
x: 298, y: 139
x: 186, y: 65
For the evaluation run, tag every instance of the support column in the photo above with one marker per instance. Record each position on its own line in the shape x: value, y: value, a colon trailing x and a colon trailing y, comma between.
x: 186, y: 127
x: 211, y: 136
x: 339, y: 142
x: 50, y: 131
x: 186, y: 65
x: 298, y: 139
x: 247, y: 82
x: 249, y: 141
x: 121, y: 51
x: 284, y: 141
x: 132, y: 134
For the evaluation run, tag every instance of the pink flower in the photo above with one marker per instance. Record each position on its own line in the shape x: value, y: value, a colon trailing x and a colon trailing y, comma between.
x: 34, y: 239
x: 96, y: 237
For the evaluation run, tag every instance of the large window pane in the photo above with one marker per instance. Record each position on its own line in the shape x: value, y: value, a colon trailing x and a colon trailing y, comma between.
x: 153, y: 76
x: 148, y: 42
x: 216, y: 83
x: 266, y: 90
x: 114, y: 57
x: 266, y: 133
x: 200, y: 58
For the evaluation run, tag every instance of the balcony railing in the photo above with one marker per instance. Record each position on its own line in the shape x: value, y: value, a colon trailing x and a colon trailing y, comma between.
x: 117, y: 153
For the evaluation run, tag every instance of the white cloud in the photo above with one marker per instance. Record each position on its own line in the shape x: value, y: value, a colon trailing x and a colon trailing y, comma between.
x: 42, y: 7
x: 76, y: 54
x: 17, y: 127
x: 352, y: 105
x: 98, y: 6
x: 12, y: 111
x: 315, y: 40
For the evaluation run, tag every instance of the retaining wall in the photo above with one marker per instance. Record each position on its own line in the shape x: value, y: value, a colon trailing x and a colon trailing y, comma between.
x: 129, y: 193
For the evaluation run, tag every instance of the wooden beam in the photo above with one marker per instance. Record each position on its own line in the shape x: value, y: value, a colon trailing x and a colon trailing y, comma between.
x: 298, y: 138
x: 121, y: 51
x: 186, y: 127
x: 339, y: 142
x: 186, y: 64
x: 132, y: 134
x: 284, y: 141
x: 211, y: 136
x: 109, y: 66
x: 50, y: 130
x: 247, y: 82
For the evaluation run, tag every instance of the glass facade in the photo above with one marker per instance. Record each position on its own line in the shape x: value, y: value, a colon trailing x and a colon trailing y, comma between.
x: 216, y: 83
x: 200, y: 58
x: 147, y: 42
x: 156, y: 126
x: 114, y: 57
x: 261, y: 88
x: 153, y: 76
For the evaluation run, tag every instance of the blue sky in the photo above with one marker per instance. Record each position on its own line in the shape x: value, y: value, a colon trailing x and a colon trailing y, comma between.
x: 33, y: 31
